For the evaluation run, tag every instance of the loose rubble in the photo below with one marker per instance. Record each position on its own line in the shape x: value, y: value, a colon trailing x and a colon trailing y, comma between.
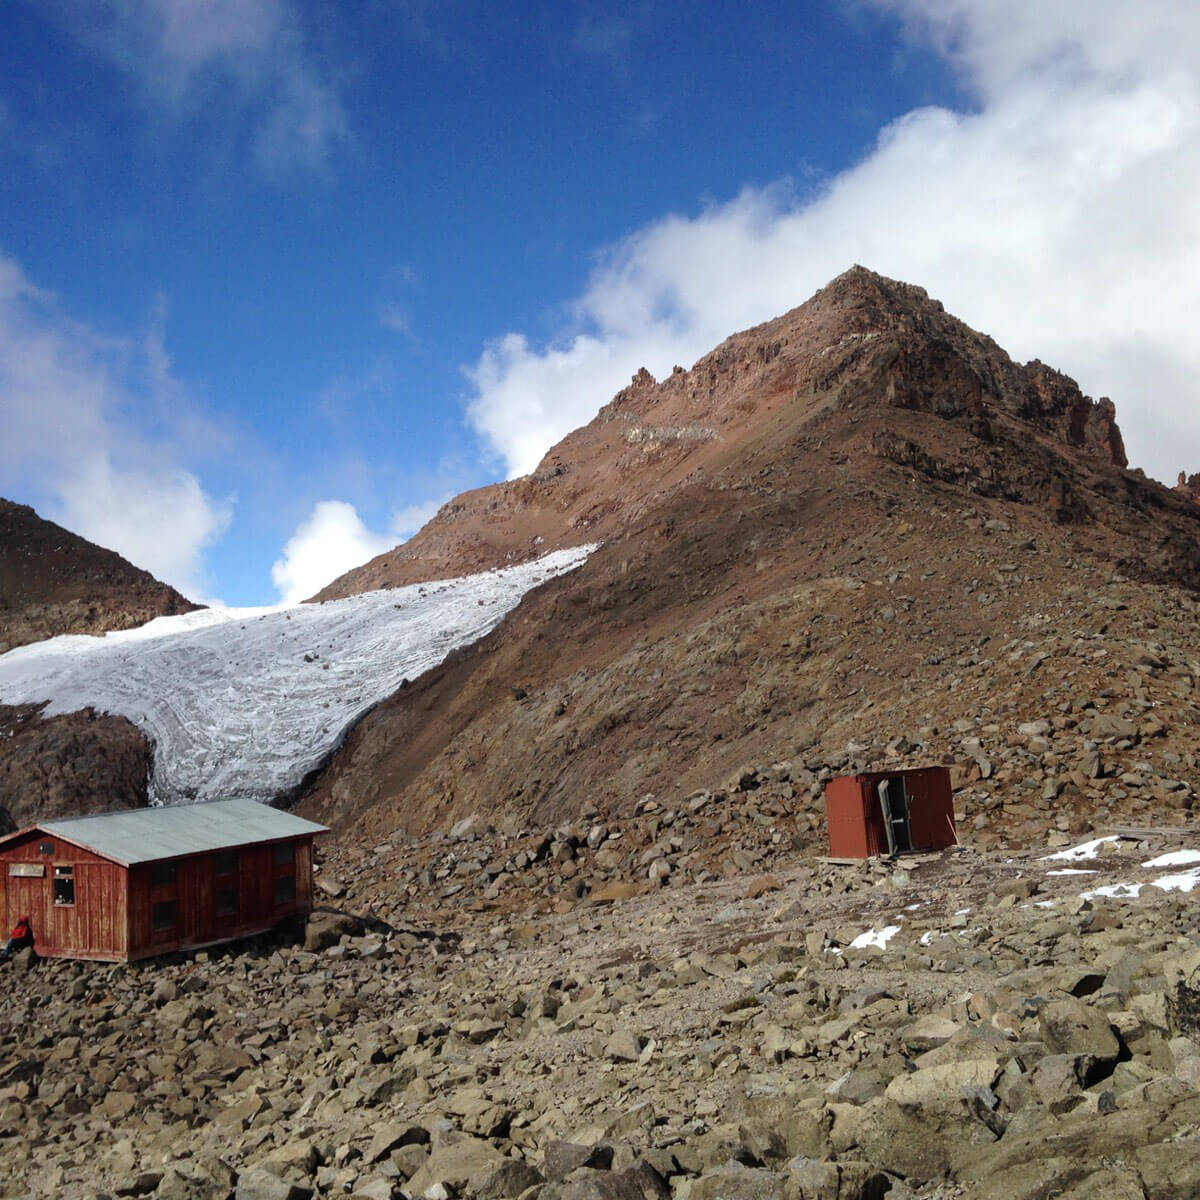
x: 960, y: 1024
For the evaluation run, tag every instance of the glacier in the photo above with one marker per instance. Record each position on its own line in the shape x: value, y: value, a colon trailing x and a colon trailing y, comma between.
x: 246, y: 702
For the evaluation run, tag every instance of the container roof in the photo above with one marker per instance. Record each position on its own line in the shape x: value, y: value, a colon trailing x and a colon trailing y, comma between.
x: 149, y: 834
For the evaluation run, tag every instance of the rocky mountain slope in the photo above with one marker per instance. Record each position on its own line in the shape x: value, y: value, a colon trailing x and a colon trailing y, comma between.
x: 52, y: 581
x: 859, y: 533
x: 579, y: 940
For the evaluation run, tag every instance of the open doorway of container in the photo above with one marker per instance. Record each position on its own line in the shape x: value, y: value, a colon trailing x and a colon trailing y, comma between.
x: 893, y: 801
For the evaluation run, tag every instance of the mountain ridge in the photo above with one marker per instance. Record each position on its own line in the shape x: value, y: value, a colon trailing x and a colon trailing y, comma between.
x: 53, y: 581
x: 653, y: 434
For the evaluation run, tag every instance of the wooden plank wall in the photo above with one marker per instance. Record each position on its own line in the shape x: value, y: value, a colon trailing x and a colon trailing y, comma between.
x: 94, y: 926
x: 195, y: 892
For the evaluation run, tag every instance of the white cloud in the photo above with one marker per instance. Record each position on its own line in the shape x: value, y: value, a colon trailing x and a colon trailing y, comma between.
x: 331, y: 541
x: 75, y: 407
x: 232, y: 60
x: 1060, y: 217
x: 407, y: 520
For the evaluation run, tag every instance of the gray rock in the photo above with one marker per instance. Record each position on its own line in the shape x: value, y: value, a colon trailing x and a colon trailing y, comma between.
x: 560, y: 1158
x: 256, y: 1183
x: 1072, y: 1027
x: 809, y: 1179
x: 325, y: 929
x: 737, y: 1183
x: 462, y: 1163
x: 510, y: 1178
x: 638, y: 1183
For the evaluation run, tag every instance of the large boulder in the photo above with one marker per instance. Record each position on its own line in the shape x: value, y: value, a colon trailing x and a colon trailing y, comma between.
x: 325, y: 929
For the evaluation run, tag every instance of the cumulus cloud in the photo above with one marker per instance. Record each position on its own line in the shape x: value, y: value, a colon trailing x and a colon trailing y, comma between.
x: 331, y: 541
x: 1058, y: 215
x: 244, y: 59
x: 334, y: 539
x: 407, y: 520
x: 75, y: 407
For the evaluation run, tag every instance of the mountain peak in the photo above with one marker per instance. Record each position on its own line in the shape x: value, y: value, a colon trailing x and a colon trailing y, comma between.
x: 862, y: 344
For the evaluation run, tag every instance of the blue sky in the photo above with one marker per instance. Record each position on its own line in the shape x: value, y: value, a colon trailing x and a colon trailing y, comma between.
x: 277, y: 278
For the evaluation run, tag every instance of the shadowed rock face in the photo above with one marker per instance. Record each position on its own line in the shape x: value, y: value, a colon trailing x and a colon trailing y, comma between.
x: 70, y: 764
x: 813, y: 538
x: 1189, y: 485
x: 54, y: 582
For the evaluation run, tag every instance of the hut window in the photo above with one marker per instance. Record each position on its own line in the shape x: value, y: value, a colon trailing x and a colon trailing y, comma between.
x: 227, y: 902
x: 162, y: 874
x: 163, y: 915
x: 46, y: 848
x: 64, y: 886
x: 285, y: 890
x: 226, y: 862
x: 285, y: 852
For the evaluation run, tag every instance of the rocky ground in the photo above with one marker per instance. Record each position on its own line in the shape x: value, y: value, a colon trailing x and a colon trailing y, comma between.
x: 1004, y: 1029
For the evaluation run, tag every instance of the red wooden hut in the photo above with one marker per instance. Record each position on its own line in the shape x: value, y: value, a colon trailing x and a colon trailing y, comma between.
x: 127, y: 885
x: 890, y: 812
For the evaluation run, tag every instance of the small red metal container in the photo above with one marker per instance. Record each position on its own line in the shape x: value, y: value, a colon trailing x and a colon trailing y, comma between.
x: 915, y: 807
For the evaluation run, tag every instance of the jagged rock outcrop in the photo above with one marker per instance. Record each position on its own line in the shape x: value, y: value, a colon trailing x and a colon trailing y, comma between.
x: 52, y: 581
x: 1189, y: 485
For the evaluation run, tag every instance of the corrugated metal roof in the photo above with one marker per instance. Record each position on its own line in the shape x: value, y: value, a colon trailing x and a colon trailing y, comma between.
x: 149, y: 834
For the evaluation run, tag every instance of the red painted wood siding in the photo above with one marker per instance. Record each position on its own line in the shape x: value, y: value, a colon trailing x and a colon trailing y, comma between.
x: 112, y: 917
x: 194, y: 892
x: 93, y: 927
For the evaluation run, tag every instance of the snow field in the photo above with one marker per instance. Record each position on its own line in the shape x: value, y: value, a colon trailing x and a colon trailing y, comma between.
x: 247, y: 702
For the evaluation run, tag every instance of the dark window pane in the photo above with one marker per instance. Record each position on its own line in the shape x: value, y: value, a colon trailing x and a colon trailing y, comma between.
x: 226, y: 862
x: 285, y: 890
x: 162, y: 874
x: 227, y: 902
x: 46, y: 848
x: 285, y: 852
x: 64, y: 890
x: 163, y: 915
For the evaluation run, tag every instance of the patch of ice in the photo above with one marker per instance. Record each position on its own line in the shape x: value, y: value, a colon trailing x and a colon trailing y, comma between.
x: 963, y: 912
x: 1044, y: 903
x: 1083, y: 850
x: 875, y: 937
x: 1115, y: 891
x: 246, y: 702
x: 1071, y: 871
x: 1176, y: 858
x: 1185, y: 881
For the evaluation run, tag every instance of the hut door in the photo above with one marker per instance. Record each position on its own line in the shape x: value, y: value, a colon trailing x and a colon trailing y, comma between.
x: 26, y: 894
x: 893, y: 800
